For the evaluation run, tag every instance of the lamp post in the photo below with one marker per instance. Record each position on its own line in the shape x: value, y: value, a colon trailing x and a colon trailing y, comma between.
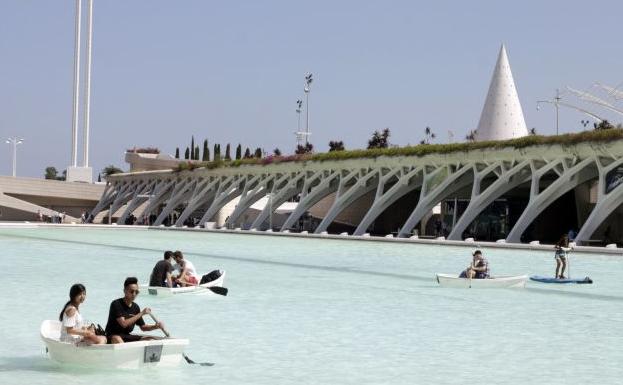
x: 299, y: 134
x: 555, y: 101
x: 14, y: 141
x: 308, y: 82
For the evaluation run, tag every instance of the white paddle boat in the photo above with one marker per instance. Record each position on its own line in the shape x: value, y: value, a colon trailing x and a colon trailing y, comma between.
x: 196, y: 289
x: 498, y: 282
x: 167, y: 352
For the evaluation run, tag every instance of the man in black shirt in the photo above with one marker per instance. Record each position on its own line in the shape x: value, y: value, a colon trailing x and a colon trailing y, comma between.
x: 161, y: 273
x: 124, y: 314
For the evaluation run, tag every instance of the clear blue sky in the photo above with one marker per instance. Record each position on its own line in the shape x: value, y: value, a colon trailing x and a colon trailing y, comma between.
x: 231, y: 71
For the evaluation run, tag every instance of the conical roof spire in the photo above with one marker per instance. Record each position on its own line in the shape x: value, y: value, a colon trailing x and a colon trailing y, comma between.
x: 502, y: 116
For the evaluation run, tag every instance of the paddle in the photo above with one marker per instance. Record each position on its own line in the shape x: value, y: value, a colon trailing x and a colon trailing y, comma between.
x: 166, y: 333
x: 214, y: 289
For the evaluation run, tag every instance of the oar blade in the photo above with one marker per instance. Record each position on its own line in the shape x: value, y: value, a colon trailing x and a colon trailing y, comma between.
x: 218, y: 290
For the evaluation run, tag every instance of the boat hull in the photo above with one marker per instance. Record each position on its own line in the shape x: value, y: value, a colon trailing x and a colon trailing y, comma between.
x: 131, y: 355
x: 500, y: 282
x: 199, y: 289
x: 542, y: 279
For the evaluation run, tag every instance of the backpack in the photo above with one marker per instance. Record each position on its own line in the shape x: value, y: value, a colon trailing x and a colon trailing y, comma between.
x: 211, y: 276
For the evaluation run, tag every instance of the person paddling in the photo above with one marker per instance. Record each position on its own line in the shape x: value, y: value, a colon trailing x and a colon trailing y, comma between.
x: 124, y: 313
x: 478, y: 269
x: 73, y: 329
x: 560, y: 255
x: 161, y: 273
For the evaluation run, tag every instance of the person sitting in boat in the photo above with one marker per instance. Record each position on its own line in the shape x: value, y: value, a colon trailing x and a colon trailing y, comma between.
x: 560, y: 255
x: 478, y: 269
x: 187, y: 273
x: 73, y: 329
x: 124, y: 313
x: 161, y: 273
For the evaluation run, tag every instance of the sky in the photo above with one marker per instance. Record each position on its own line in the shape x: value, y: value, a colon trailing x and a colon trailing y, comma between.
x: 231, y: 71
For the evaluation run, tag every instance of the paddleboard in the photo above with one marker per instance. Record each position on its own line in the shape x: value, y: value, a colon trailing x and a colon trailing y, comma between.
x: 543, y: 279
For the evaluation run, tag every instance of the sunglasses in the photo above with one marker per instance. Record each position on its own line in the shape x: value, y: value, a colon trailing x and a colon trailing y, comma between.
x: 137, y: 292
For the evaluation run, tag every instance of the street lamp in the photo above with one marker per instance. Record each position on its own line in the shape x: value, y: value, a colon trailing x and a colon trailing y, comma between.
x: 299, y: 134
x: 14, y: 141
x: 308, y: 82
x: 556, y: 101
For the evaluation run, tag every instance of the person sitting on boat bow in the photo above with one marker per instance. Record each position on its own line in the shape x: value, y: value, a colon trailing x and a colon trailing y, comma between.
x: 124, y: 313
x: 187, y: 272
x: 478, y: 269
x: 161, y: 273
x: 73, y: 329
x: 560, y: 255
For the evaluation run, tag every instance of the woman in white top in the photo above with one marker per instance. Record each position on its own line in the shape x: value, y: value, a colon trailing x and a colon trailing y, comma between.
x: 73, y: 329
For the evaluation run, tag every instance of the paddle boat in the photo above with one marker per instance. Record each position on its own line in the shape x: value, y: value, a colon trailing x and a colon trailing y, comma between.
x: 543, y: 279
x: 195, y: 289
x: 167, y: 352
x: 498, y: 282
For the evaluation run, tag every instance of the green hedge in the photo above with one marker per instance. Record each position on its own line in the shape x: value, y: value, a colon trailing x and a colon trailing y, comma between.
x: 422, y: 149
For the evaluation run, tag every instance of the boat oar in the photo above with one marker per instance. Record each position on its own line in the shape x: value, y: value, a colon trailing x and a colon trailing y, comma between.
x: 166, y: 333
x: 214, y: 289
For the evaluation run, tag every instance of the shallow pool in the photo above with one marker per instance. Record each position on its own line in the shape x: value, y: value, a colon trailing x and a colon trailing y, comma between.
x: 318, y: 311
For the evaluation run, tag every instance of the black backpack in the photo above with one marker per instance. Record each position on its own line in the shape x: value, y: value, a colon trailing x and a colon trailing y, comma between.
x: 211, y: 276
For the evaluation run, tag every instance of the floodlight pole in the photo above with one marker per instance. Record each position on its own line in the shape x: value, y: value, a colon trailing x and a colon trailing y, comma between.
x: 14, y: 142
x: 308, y: 81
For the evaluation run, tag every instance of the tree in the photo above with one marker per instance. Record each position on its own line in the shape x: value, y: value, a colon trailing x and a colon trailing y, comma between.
x: 196, y: 152
x: 192, y: 147
x: 277, y: 152
x: 247, y: 153
x: 258, y: 153
x: 603, y: 125
x: 336, y: 145
x: 217, y: 152
x: 177, y: 152
x: 429, y: 135
x: 187, y: 154
x: 206, y: 151
x: 110, y: 170
x: 99, y: 177
x: 239, y: 151
x: 227, y: 152
x: 379, y: 139
x: 306, y: 149
x: 51, y: 173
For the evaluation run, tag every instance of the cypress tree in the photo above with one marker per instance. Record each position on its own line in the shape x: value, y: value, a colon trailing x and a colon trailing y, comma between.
x: 239, y: 151
x: 192, y: 147
x: 217, y: 152
x: 227, y: 152
x: 247, y: 153
x: 206, y: 151
x: 197, y: 152
x: 177, y: 152
x: 258, y: 152
x: 187, y: 153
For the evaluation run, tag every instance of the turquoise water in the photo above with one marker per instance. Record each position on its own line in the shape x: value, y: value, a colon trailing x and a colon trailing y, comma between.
x: 319, y: 311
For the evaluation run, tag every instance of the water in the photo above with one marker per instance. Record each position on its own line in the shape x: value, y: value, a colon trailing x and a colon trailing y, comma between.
x: 318, y: 311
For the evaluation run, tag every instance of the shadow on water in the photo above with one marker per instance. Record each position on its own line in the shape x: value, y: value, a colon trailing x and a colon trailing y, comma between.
x: 410, y: 277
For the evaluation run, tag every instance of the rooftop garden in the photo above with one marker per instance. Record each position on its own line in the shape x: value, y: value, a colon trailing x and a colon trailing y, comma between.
x: 596, y: 136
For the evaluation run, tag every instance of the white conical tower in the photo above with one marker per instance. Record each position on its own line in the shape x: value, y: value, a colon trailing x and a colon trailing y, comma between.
x: 502, y: 116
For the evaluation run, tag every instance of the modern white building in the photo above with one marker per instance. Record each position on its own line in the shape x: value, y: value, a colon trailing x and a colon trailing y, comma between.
x: 502, y: 117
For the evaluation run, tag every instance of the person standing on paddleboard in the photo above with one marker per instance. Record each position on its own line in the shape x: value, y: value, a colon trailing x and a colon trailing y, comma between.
x: 561, y: 248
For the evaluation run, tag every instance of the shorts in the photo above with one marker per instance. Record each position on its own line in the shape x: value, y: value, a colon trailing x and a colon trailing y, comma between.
x: 192, y: 280
x: 124, y: 337
x: 561, y: 256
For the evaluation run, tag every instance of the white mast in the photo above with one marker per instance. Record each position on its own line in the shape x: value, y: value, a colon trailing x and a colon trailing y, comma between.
x: 74, y: 122
x: 87, y: 97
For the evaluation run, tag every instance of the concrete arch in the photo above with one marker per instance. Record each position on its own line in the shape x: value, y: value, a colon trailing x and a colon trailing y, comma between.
x: 159, y: 195
x: 227, y: 192
x: 204, y: 192
x: 507, y: 180
x: 606, y: 202
x: 183, y: 193
x: 570, y: 179
x: 110, y: 191
x: 429, y: 198
x: 347, y: 195
x: 137, y: 200
x: 286, y: 188
x: 324, y: 188
x: 406, y: 183
x: 252, y: 192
